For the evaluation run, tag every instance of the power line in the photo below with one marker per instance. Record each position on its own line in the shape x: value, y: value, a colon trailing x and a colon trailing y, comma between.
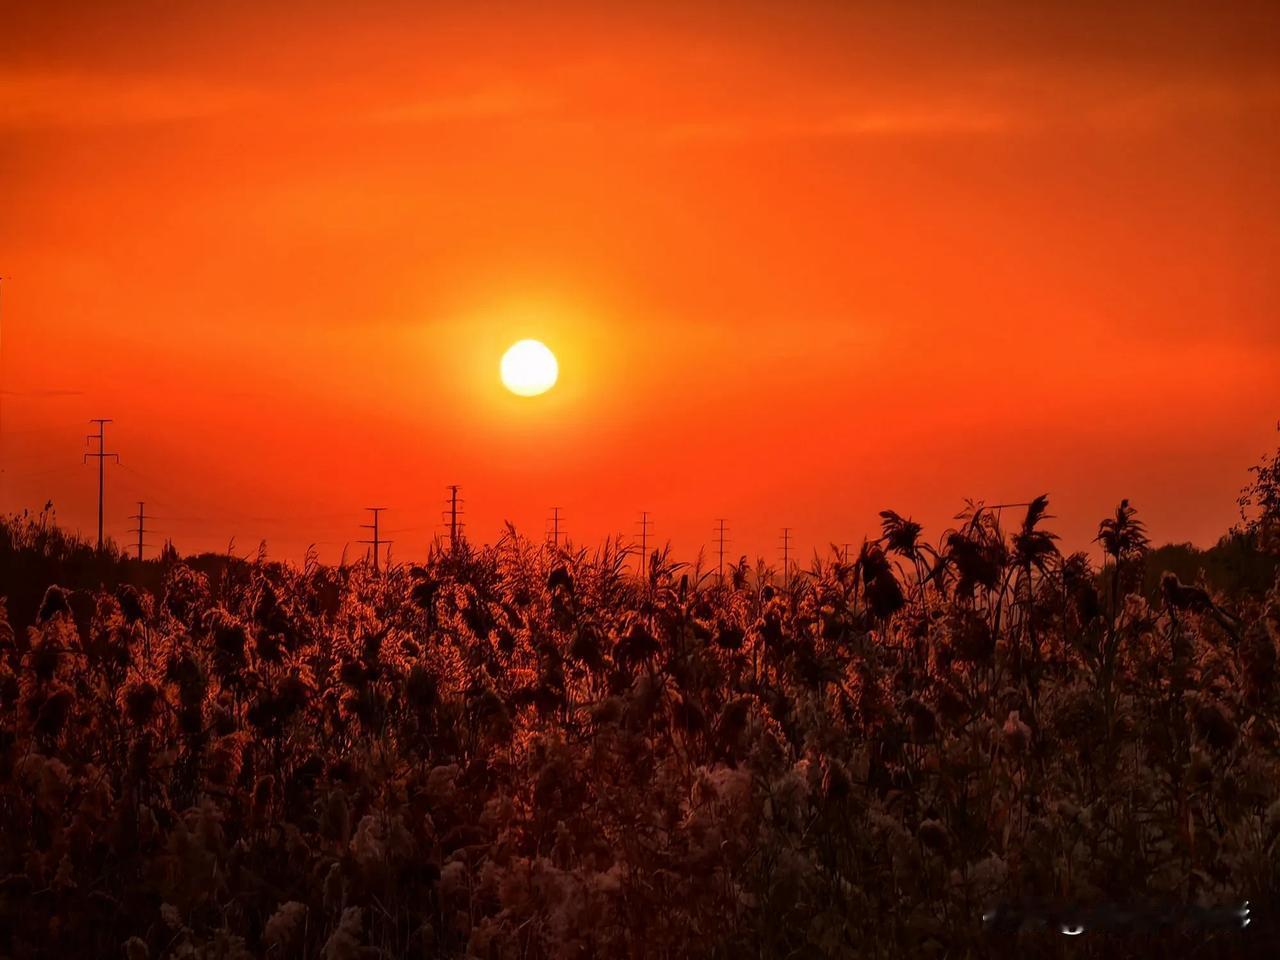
x: 377, y: 541
x: 46, y: 473
x: 101, y: 457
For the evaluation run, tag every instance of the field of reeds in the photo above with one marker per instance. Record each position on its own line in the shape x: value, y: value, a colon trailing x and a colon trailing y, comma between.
x: 520, y: 752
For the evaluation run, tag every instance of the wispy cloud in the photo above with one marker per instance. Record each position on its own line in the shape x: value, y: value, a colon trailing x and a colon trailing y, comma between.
x: 481, y: 104
x: 1166, y: 103
x: 33, y: 99
x: 999, y: 102
x: 39, y: 99
x: 41, y: 394
x: 868, y: 123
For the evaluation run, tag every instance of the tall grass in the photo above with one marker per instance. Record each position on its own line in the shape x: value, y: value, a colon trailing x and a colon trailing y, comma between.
x: 521, y: 752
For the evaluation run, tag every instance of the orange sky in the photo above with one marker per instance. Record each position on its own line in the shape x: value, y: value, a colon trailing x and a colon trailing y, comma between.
x: 800, y: 262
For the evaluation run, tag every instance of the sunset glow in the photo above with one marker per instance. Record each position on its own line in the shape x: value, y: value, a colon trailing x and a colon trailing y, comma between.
x: 942, y: 255
x: 595, y: 478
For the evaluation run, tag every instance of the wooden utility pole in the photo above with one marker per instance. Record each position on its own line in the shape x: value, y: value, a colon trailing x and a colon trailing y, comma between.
x: 555, y: 527
x: 101, y: 457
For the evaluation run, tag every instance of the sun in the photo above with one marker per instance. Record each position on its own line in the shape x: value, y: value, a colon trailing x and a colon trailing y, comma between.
x: 529, y: 368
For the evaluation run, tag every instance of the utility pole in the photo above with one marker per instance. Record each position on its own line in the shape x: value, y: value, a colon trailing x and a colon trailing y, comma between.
x: 2, y: 279
x: 141, y: 517
x: 645, y: 523
x: 101, y: 457
x: 786, y: 557
x: 377, y: 542
x: 555, y: 527
x: 720, y: 532
x: 455, y: 526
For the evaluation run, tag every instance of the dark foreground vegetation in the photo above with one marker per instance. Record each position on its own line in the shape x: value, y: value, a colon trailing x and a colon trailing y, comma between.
x: 524, y: 753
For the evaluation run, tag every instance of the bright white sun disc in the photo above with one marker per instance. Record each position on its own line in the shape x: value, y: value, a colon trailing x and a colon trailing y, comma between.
x: 529, y: 368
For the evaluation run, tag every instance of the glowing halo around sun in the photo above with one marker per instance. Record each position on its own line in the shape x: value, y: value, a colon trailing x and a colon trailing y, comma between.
x: 529, y: 368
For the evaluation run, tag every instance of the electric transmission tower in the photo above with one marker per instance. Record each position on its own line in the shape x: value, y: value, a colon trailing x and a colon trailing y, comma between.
x: 101, y: 456
x: 645, y: 523
x: 786, y: 557
x: 377, y: 542
x: 140, y: 530
x: 453, y: 513
x: 721, y: 541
